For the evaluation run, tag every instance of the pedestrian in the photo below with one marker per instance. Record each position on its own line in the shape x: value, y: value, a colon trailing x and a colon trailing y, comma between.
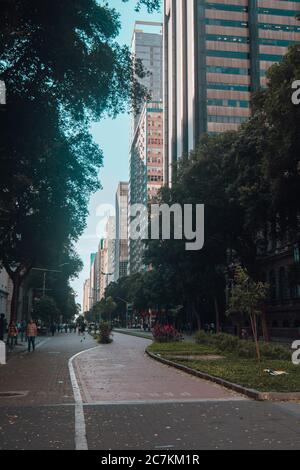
x: 23, y: 330
x: 11, y: 335
x: 53, y: 329
x: 2, y: 326
x: 31, y: 334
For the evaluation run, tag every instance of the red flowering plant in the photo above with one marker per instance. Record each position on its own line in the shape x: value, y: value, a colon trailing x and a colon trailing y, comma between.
x: 165, y: 333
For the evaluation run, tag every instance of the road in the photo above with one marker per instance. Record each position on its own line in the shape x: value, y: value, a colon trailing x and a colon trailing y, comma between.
x: 125, y: 401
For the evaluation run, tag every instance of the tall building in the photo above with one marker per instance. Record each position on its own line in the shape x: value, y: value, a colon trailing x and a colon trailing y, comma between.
x: 147, y: 46
x: 93, y: 280
x: 86, y: 296
x: 146, y: 150
x: 216, y: 54
x: 146, y: 172
x: 111, y: 248
x: 102, y: 268
x: 121, y: 244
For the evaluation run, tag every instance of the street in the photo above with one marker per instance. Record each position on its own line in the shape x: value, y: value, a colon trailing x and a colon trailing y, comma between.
x: 126, y: 401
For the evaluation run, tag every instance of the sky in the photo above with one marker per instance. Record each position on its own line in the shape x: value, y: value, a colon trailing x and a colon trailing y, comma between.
x: 113, y: 138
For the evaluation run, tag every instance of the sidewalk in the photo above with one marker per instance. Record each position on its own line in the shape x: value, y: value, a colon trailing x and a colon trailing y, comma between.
x: 43, y: 374
x: 36, y: 395
x: 22, y: 347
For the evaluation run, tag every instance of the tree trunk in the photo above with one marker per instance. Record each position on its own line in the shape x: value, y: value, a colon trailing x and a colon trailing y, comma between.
x: 218, y: 327
x: 254, y: 331
x: 266, y: 333
x: 15, y: 297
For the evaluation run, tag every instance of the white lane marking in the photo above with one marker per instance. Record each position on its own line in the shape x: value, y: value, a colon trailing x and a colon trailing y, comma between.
x: 166, y: 401
x: 80, y: 428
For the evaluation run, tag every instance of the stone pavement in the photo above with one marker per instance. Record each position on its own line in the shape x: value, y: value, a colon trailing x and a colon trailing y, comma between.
x: 42, y: 417
x: 130, y: 402
x: 123, y: 372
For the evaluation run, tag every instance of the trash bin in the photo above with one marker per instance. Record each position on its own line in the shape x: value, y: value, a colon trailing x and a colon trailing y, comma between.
x: 2, y: 353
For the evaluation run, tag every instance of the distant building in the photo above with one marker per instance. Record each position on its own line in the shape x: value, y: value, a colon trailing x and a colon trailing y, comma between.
x: 216, y: 55
x: 146, y: 151
x: 146, y: 171
x: 93, y: 279
x: 111, y: 248
x: 86, y: 296
x: 121, y: 245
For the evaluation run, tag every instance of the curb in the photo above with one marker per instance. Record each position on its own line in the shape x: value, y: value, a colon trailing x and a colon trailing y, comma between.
x: 136, y: 335
x: 248, y: 392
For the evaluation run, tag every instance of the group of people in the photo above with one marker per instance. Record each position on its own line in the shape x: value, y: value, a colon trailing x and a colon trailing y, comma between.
x: 27, y: 330
x: 62, y: 328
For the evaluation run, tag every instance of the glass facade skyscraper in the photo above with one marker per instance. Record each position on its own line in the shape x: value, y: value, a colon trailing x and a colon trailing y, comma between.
x: 216, y: 54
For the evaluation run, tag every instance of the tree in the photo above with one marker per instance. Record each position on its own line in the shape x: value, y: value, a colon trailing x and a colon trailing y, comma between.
x: 103, y: 310
x: 247, y: 298
x: 62, y: 68
x: 45, y: 309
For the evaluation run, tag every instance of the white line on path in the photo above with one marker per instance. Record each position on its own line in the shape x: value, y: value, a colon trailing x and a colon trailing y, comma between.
x: 80, y: 429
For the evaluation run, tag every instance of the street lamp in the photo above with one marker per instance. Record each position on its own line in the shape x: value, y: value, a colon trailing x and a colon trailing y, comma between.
x: 45, y: 271
x: 107, y: 276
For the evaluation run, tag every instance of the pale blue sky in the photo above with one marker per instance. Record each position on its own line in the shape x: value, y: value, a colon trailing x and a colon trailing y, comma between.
x: 113, y: 138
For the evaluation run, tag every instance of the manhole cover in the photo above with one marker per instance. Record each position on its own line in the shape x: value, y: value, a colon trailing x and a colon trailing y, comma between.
x: 12, y: 394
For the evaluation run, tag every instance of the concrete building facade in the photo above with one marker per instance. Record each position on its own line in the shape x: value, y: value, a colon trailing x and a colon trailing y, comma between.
x: 121, y: 244
x: 5, y: 293
x: 146, y: 150
x: 86, y: 296
x: 146, y: 172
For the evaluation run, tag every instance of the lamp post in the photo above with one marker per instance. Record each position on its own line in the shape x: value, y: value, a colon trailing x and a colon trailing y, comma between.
x: 45, y: 271
x: 107, y: 276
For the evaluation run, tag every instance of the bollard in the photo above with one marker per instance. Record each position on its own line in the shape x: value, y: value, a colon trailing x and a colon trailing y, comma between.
x: 2, y: 353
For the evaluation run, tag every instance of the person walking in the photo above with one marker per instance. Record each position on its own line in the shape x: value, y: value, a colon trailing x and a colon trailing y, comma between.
x: 11, y: 335
x: 31, y: 334
x: 23, y: 330
x: 2, y: 326
x: 53, y: 329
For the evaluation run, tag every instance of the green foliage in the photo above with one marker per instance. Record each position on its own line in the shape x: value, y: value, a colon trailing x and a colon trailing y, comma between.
x: 241, y: 370
x: 45, y: 309
x: 105, y: 333
x: 228, y: 344
x: 63, y: 68
x: 247, y: 296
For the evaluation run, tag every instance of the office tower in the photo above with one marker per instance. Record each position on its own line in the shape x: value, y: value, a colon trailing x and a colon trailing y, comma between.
x: 217, y: 54
x: 121, y: 245
x: 147, y: 46
x: 102, y: 268
x: 93, y: 279
x: 111, y: 248
x: 146, y: 151
x: 86, y: 296
x: 146, y: 172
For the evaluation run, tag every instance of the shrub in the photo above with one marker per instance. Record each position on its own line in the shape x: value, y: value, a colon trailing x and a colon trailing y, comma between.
x: 105, y: 333
x: 204, y: 338
x: 226, y: 342
x: 241, y: 348
x: 166, y: 333
x: 275, y: 351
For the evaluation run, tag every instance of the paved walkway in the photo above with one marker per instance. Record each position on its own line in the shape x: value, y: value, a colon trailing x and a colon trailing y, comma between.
x: 122, y: 372
x: 128, y: 401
